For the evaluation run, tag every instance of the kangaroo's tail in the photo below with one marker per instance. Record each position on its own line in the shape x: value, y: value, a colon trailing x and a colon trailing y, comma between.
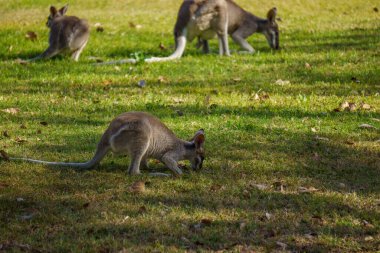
x: 181, y: 44
x: 99, y: 154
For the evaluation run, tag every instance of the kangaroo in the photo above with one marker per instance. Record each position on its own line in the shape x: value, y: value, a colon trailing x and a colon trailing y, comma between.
x: 205, y: 18
x: 67, y: 33
x: 142, y: 136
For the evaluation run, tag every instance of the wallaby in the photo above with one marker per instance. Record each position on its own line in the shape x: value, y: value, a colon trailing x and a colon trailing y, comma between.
x: 205, y: 18
x: 143, y: 136
x: 67, y: 34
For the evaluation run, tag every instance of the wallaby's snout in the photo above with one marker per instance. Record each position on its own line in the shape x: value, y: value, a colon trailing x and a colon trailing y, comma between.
x: 271, y: 32
x: 197, y: 150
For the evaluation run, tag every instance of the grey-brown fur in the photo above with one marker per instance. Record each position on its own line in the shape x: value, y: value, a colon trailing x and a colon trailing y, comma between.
x: 242, y: 24
x: 68, y: 34
x: 143, y: 136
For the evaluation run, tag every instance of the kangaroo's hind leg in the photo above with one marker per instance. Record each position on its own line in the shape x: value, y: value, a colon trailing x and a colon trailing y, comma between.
x: 77, y: 52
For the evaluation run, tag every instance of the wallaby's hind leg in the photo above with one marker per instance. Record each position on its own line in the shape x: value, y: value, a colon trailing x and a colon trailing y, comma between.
x: 77, y: 53
x: 240, y: 39
x: 144, y: 163
x: 137, y: 155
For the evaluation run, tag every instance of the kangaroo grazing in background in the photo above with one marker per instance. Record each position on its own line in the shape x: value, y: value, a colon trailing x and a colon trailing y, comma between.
x: 206, y: 18
x: 143, y: 136
x: 67, y: 34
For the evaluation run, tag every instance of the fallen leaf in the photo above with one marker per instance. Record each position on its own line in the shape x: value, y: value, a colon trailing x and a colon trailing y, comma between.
x: 6, y: 134
x: 349, y: 142
x: 282, y: 245
x: 279, y: 186
x: 137, y: 187
x: 20, y: 140
x: 307, y: 65
x: 268, y: 216
x: 178, y: 100
x: 375, y: 9
x: 282, y: 82
x: 206, y: 221
x: 368, y: 238
x: 10, y: 48
x: 12, y: 111
x: 236, y: 79
x: 162, y: 79
x: 86, y: 205
x: 314, y: 130
x: 22, y: 126
x: 242, y: 225
x: 351, y: 107
x: 4, y: 155
x: 319, y: 138
x: 39, y: 131
x: 20, y: 199
x: 367, y: 224
x: 318, y: 220
x: 30, y: 35
x: 306, y: 190
x: 2, y: 186
x: 162, y: 46
x: 117, y: 68
x: 365, y: 106
x: 133, y: 25
x: 259, y: 186
x: 344, y: 105
x: 44, y: 123
x: 367, y: 126
x: 99, y: 27
x: 142, y: 209
x: 311, y: 235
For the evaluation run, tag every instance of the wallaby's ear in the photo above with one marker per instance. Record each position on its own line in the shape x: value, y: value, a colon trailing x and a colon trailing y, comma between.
x: 199, y: 138
x: 63, y: 10
x: 271, y: 15
x: 53, y: 10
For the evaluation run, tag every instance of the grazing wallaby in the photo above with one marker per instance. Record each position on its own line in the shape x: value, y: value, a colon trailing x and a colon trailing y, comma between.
x: 67, y: 34
x: 143, y: 136
x: 205, y: 18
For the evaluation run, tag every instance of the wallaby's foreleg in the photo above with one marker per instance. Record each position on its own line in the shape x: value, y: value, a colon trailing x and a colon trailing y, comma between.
x: 172, y: 164
x: 239, y: 39
x: 77, y: 53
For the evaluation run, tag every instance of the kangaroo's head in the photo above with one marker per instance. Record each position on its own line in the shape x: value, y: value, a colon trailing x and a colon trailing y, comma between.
x: 54, y: 13
x: 196, y: 153
x: 270, y: 29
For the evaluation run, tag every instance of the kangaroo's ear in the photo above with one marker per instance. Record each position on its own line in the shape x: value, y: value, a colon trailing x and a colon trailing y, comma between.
x: 63, y: 10
x: 53, y: 10
x: 271, y: 15
x: 199, y: 138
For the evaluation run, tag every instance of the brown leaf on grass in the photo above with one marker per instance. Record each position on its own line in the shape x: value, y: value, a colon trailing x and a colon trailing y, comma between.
x: 162, y: 46
x: 365, y: 106
x: 30, y: 35
x: 39, y: 131
x: 44, y: 123
x: 282, y: 82
x: 317, y: 220
x: 348, y: 142
x: 236, y: 79
x: 12, y: 111
x: 375, y: 9
x: 142, y: 209
x: 302, y: 189
x: 259, y: 186
x: 4, y: 155
x: 368, y: 238
x: 137, y: 187
x: 133, y: 25
x: 6, y: 134
x: 307, y: 65
x: 282, y: 245
x: 99, y: 27
x: 162, y: 79
x: 22, y: 126
x: 268, y: 216
x: 206, y: 221
x: 20, y: 140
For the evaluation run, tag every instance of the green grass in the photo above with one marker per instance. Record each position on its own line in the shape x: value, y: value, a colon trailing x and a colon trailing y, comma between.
x: 270, y: 142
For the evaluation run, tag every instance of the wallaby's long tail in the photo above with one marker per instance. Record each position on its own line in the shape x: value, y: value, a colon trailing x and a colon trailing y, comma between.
x: 181, y: 44
x: 99, y: 154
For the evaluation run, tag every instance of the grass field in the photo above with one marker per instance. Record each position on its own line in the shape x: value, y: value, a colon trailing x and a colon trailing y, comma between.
x: 283, y: 170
